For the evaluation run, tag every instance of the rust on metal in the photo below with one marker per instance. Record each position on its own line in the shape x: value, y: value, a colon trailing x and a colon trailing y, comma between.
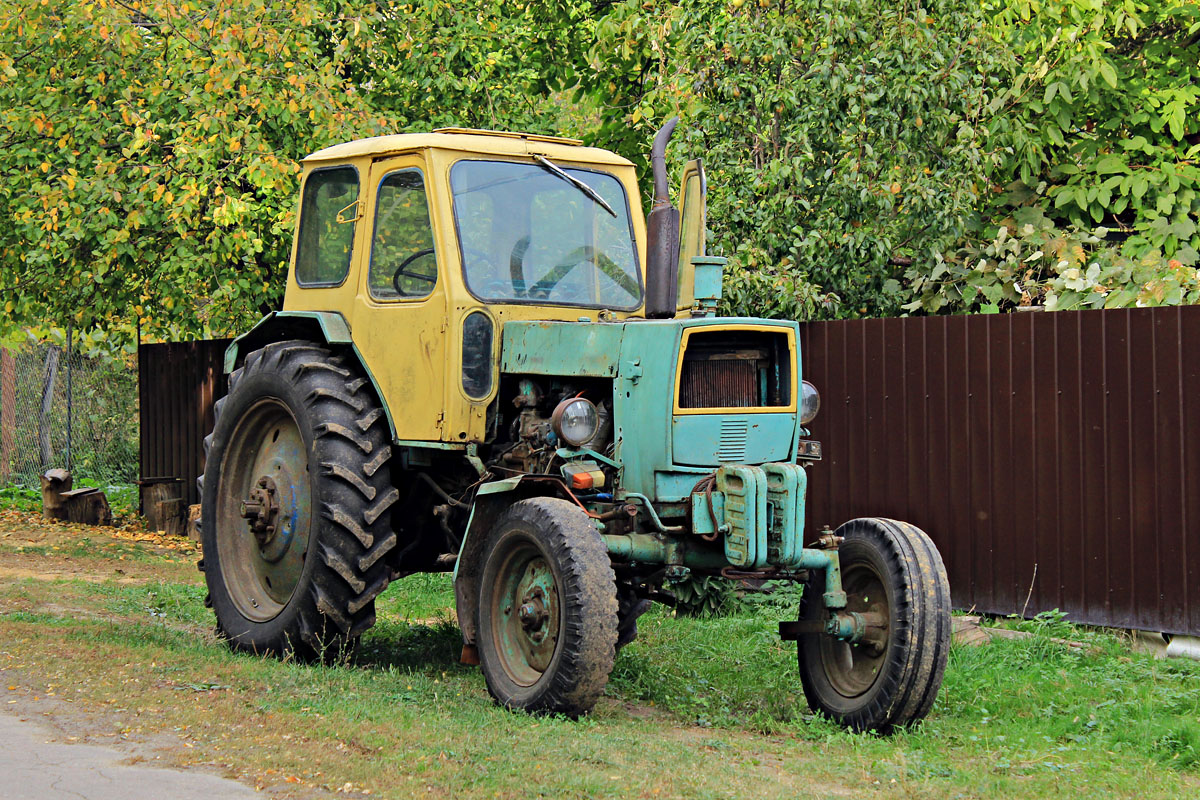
x: 716, y: 382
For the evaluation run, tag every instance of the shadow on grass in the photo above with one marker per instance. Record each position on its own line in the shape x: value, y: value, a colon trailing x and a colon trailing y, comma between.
x: 422, y: 648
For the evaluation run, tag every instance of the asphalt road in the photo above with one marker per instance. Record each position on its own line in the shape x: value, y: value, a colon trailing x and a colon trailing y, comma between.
x: 35, y: 767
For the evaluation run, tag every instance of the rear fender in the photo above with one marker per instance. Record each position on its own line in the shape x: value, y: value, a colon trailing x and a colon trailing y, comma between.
x: 324, y: 327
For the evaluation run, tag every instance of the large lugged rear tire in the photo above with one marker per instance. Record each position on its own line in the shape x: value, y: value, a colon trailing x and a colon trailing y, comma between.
x: 890, y: 570
x: 296, y: 499
x: 547, y: 627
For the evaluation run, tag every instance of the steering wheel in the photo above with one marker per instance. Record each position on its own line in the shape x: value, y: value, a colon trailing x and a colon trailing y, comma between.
x: 516, y: 266
x: 402, y: 271
x: 579, y: 255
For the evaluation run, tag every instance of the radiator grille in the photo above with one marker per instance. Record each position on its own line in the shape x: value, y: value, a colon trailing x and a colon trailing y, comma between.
x: 732, y: 446
x: 719, y: 383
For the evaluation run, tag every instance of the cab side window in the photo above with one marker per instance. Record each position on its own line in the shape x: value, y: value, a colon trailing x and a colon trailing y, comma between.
x: 403, y: 262
x: 327, y: 219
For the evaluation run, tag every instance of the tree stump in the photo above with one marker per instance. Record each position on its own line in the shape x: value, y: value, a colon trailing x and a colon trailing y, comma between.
x: 54, y: 483
x: 163, y: 505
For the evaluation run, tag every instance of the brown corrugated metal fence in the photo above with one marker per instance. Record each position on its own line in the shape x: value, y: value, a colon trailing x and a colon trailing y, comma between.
x: 178, y: 382
x: 1053, y: 457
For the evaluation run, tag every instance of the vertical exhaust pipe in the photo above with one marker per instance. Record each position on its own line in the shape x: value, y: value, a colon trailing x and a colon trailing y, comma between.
x: 662, y: 234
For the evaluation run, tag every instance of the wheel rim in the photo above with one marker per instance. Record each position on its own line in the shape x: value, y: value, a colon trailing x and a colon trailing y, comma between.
x: 264, y: 510
x: 525, y: 618
x: 852, y: 669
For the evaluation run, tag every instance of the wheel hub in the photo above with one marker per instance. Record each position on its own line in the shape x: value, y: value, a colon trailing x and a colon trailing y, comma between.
x: 264, y: 510
x: 527, y: 627
x: 855, y: 650
x: 533, y: 614
x: 261, y: 510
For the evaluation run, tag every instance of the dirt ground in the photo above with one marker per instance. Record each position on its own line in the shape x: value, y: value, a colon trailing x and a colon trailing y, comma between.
x: 39, y: 550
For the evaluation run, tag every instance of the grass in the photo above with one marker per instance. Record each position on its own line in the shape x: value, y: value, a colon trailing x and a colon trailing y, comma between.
x: 695, y: 707
x: 123, y: 498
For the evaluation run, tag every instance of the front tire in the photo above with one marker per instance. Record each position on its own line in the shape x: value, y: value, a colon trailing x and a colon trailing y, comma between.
x: 296, y: 498
x: 892, y: 572
x: 547, y: 625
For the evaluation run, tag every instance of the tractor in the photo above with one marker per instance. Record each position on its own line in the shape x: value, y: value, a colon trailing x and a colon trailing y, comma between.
x: 490, y: 361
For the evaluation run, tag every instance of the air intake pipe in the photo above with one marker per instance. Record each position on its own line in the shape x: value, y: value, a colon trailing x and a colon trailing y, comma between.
x: 662, y: 235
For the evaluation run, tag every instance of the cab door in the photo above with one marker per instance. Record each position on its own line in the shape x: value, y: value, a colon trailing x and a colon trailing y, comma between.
x: 399, y: 318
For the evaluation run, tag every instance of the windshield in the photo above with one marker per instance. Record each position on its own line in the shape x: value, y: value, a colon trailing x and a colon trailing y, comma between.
x: 529, y: 236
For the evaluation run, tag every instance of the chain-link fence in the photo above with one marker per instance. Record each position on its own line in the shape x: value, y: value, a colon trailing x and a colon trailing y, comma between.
x: 62, y: 408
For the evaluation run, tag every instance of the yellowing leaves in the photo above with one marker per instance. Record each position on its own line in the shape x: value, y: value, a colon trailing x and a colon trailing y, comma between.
x: 45, y: 167
x: 895, y: 188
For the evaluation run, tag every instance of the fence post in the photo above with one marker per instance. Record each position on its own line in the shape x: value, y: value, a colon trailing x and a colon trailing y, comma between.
x: 49, y: 378
x: 70, y: 396
x: 8, y: 409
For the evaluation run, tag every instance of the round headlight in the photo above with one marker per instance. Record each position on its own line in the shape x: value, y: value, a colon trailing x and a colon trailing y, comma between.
x: 810, y: 402
x: 575, y: 421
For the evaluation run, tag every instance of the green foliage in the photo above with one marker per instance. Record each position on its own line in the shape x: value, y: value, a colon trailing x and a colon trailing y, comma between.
x: 1104, y: 116
x: 854, y: 148
x: 841, y: 140
x: 21, y: 498
x: 473, y: 63
x: 150, y: 155
x: 705, y: 596
x: 1030, y: 262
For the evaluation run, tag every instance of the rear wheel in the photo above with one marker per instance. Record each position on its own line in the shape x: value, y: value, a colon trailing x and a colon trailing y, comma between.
x: 894, y: 579
x: 547, y: 609
x: 296, y: 498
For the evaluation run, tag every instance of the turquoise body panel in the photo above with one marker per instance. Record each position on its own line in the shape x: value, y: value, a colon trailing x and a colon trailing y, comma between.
x: 332, y: 326
x: 703, y: 439
x: 562, y: 348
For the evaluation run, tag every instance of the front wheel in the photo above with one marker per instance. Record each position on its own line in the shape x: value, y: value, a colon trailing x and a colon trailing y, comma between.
x: 893, y: 576
x: 547, y: 609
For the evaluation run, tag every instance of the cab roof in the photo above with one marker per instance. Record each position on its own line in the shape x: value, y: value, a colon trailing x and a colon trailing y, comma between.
x: 470, y: 141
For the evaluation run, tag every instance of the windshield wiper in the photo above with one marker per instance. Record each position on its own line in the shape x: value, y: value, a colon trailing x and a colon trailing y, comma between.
x: 578, y: 184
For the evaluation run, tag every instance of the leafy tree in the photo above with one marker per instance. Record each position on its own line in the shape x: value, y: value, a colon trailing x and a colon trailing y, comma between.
x: 1101, y: 122
x: 1032, y: 263
x: 842, y: 140
x: 149, y: 152
x: 475, y: 63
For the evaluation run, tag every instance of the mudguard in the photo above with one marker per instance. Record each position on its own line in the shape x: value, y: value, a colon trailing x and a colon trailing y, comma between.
x: 325, y: 327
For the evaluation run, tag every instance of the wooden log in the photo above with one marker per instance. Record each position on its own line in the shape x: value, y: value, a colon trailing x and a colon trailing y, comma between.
x: 173, y: 516
x: 54, y: 483
x: 193, y: 523
x: 88, y: 506
x: 163, y: 505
